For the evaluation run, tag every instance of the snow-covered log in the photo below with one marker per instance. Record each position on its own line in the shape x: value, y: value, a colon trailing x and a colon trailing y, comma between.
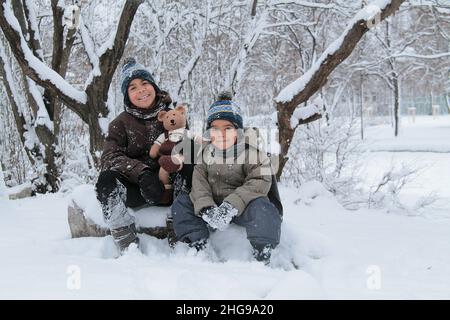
x: 19, y: 192
x: 85, y: 219
x: 82, y: 226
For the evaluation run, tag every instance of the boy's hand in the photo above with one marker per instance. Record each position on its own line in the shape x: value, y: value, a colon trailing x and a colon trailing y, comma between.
x: 220, y: 217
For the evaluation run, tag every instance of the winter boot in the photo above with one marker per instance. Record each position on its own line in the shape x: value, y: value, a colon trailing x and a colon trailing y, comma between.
x: 262, y: 252
x: 171, y: 236
x: 124, y: 236
x: 199, y: 245
x: 204, y: 250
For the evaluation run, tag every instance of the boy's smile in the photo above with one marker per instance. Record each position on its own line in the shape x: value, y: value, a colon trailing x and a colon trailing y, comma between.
x: 141, y: 93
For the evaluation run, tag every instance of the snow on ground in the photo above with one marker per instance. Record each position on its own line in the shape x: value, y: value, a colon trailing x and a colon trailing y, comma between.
x: 424, y: 145
x: 426, y: 134
x: 339, y: 254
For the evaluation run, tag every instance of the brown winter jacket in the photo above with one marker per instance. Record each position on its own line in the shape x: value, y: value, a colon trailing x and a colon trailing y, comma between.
x: 130, y: 137
x: 247, y: 178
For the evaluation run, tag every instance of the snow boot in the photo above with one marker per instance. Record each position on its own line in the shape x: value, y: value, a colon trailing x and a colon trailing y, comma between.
x: 124, y: 236
x: 171, y: 236
x: 199, y: 245
x: 262, y: 252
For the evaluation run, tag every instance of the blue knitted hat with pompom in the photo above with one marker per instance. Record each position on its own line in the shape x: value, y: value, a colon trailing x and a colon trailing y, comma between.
x: 225, y: 109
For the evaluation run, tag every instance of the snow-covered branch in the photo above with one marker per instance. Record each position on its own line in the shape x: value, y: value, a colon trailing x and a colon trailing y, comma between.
x: 112, y: 50
x: 89, y: 47
x: 26, y: 132
x: 421, y: 56
x: 9, y: 81
x: 237, y: 68
x: 33, y: 66
x: 187, y: 70
x: 313, y: 5
x: 315, y: 78
x: 304, y: 87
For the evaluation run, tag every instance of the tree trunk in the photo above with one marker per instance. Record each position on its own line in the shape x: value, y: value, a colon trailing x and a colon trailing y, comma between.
x: 286, y: 133
x: 361, y: 102
x: 97, y: 98
x: 447, y: 101
x: 395, y: 83
x: 96, y: 139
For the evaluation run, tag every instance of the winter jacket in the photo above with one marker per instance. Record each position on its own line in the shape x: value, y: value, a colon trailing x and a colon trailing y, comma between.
x: 130, y: 137
x: 247, y: 177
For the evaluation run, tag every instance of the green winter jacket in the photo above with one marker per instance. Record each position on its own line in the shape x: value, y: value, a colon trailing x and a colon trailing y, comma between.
x: 238, y: 180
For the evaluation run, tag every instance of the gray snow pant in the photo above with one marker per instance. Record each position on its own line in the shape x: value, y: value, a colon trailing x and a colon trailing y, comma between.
x: 260, y: 219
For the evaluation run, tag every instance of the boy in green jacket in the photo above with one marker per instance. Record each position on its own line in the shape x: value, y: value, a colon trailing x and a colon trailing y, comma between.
x: 231, y: 184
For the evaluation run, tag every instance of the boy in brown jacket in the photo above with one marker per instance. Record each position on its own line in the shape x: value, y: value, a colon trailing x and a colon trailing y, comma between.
x: 129, y: 177
x: 231, y: 184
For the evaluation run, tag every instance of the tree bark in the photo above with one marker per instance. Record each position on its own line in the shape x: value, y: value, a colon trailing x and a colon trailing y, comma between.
x: 396, y: 102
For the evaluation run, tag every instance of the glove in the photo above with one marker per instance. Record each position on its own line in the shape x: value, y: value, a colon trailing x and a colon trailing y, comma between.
x: 150, y: 186
x: 205, y: 210
x: 220, y: 217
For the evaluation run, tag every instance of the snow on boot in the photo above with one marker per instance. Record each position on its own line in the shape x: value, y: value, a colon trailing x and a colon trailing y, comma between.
x: 204, y: 250
x: 199, y: 245
x: 124, y: 236
x: 262, y: 252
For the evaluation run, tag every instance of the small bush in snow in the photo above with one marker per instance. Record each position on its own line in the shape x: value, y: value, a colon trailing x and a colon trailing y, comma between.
x: 330, y: 154
x: 386, y: 192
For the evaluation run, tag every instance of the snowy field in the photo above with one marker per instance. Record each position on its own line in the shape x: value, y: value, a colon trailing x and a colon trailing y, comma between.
x: 326, y: 252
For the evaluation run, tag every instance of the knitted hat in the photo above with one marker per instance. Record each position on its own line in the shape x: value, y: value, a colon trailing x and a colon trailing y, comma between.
x: 225, y: 109
x: 132, y: 70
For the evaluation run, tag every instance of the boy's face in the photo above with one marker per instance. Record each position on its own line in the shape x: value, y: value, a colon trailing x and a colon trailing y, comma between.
x: 141, y: 93
x: 223, y: 134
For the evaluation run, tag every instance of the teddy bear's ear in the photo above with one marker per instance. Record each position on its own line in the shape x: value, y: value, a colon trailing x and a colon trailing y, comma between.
x: 161, y: 115
x: 181, y: 108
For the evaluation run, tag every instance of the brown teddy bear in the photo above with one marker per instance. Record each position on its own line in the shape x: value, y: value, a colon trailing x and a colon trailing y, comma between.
x: 174, y: 122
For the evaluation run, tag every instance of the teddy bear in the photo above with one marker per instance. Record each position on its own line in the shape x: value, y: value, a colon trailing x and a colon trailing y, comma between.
x: 174, y: 122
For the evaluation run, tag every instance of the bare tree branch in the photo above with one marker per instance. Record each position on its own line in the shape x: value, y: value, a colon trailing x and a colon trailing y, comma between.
x: 307, y: 85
